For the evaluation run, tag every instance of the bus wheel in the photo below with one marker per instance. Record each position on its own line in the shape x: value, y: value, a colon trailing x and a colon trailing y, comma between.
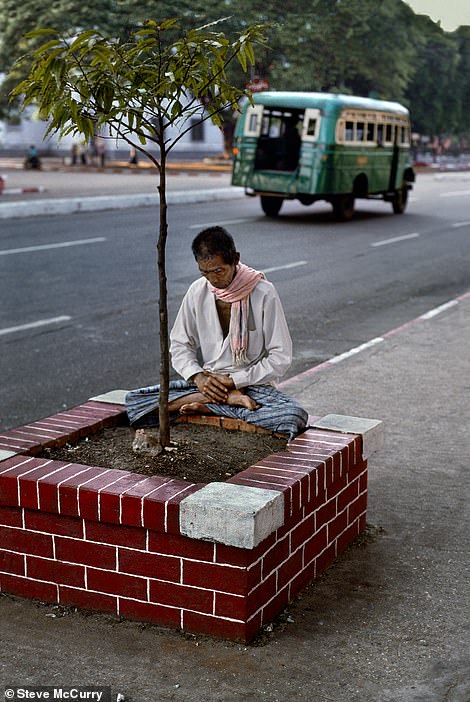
x: 271, y: 205
x: 343, y: 207
x: 400, y: 198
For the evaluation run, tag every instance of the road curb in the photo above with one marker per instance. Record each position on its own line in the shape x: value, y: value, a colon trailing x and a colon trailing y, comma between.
x: 11, y: 210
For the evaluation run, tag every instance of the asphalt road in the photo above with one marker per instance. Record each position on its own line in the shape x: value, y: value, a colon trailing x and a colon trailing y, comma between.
x: 92, y: 277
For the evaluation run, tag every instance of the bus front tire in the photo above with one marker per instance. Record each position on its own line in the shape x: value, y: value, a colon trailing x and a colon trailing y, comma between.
x: 400, y: 199
x: 271, y: 205
x: 343, y: 207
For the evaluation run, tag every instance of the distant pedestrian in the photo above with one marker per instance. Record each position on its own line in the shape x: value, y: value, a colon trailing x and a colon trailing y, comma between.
x: 32, y: 159
x: 83, y: 153
x: 100, y: 145
x: 75, y: 150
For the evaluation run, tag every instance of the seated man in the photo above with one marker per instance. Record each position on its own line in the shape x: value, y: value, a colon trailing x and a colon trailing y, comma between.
x: 230, y: 343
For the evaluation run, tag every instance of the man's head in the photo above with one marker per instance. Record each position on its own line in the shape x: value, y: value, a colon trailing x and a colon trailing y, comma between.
x: 216, y: 256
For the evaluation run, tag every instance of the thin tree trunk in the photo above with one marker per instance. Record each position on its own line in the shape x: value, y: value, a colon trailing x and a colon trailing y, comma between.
x: 163, y: 309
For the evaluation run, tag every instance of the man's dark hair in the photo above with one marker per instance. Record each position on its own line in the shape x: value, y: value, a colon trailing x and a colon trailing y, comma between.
x: 214, y: 241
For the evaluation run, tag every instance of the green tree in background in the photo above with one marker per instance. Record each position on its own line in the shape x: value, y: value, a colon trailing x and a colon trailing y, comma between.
x: 433, y: 92
x: 462, y: 82
x: 138, y: 88
x: 359, y: 46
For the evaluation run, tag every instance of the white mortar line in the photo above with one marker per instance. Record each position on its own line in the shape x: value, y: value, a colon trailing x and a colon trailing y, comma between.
x: 57, y: 470
x: 104, y: 488
x: 37, y: 428
x: 62, y: 421
x: 85, y: 470
x: 85, y: 483
x: 206, y: 614
x: 27, y: 473
x: 147, y: 494
x: 15, y: 438
x: 35, y: 425
x: 171, y: 498
x: 121, y: 495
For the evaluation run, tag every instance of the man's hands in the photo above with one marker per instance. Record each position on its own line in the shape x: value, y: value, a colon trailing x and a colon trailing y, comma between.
x: 214, y: 386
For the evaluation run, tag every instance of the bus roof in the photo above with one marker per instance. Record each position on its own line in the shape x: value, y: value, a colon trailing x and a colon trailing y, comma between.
x: 325, y: 101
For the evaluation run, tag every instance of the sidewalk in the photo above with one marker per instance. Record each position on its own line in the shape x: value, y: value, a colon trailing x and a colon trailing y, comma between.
x: 389, y: 622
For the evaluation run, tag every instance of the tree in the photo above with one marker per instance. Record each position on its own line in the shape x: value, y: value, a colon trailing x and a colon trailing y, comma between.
x: 432, y: 93
x: 462, y: 82
x: 117, y: 19
x: 138, y: 88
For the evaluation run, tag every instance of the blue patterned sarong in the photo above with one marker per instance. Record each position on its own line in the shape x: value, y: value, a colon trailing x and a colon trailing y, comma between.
x: 277, y: 412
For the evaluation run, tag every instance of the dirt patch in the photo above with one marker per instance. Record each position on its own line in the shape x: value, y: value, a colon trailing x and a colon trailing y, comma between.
x: 203, y: 454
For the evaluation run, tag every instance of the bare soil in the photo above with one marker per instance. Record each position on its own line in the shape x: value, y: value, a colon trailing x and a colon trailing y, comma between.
x: 201, y: 453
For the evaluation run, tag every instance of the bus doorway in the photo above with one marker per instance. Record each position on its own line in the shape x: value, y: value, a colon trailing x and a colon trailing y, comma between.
x: 278, y: 146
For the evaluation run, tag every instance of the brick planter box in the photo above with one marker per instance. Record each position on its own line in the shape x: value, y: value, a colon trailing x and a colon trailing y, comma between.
x: 220, y: 559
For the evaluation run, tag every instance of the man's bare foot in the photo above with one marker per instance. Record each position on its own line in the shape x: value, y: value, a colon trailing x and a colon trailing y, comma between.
x: 237, y: 398
x: 194, y: 408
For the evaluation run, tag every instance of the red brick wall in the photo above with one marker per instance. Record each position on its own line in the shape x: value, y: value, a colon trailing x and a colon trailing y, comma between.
x: 109, y: 540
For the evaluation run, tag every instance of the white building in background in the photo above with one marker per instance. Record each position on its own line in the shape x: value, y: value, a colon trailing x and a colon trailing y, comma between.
x: 204, y: 139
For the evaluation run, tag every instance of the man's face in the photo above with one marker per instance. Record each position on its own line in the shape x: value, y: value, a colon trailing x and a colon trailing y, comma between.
x: 216, y: 271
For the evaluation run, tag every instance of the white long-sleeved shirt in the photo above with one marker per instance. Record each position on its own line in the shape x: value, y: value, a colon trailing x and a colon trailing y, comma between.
x: 197, y: 334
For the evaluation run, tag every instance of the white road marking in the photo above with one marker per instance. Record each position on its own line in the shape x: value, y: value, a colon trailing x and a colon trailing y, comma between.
x: 355, y: 350
x: 59, y: 245
x: 34, y: 325
x: 204, y: 225
x: 438, y: 310
x: 285, y: 267
x: 455, y: 193
x: 384, y: 242
x: 461, y: 224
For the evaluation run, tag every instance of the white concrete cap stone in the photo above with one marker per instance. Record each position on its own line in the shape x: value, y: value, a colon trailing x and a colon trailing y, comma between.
x: 234, y: 515
x: 4, y: 454
x: 114, y: 397
x: 371, y: 430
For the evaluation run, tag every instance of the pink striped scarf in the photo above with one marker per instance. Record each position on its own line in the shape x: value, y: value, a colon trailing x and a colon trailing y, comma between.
x: 237, y: 293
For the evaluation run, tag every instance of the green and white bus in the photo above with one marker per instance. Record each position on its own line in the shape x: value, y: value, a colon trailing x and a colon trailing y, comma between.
x: 321, y: 146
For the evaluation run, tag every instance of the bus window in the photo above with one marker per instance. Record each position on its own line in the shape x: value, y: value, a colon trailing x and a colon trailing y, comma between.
x: 253, y: 120
x: 370, y: 132
x: 311, y: 127
x: 389, y: 133
x: 310, y: 124
x: 360, y: 131
x: 380, y: 134
x: 253, y: 123
x: 349, y: 131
